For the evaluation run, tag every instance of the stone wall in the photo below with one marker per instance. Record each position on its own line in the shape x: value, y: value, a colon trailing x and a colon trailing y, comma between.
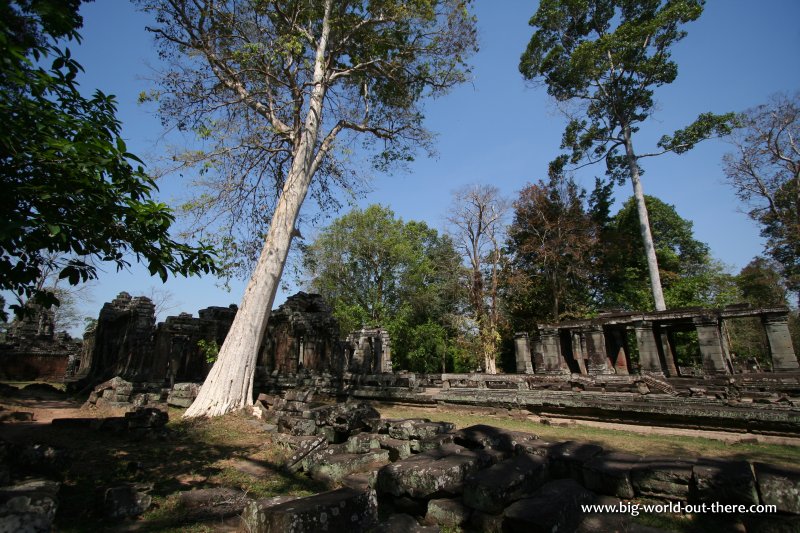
x: 302, y: 334
x: 31, y: 351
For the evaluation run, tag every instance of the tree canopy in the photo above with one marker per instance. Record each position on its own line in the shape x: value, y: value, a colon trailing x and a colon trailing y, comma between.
x: 764, y: 171
x: 607, y: 57
x: 70, y: 187
x: 551, y: 242
x: 241, y: 76
x: 376, y: 269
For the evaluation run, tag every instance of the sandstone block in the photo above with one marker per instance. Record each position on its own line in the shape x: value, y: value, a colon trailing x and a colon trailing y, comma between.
x: 492, y: 489
x: 664, y: 478
x: 727, y: 482
x: 484, y: 436
x: 779, y: 486
x: 337, y: 466
x: 447, y: 512
x: 610, y: 474
x: 432, y: 473
x: 555, y: 507
x: 567, y: 459
x: 343, y: 509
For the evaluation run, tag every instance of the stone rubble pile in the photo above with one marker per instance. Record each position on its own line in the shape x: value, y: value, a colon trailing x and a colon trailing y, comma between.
x: 118, y: 393
x: 416, y: 475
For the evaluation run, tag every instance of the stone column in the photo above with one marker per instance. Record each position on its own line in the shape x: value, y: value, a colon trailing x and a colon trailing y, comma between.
x: 648, y: 347
x: 670, y: 368
x: 596, y: 350
x: 576, y: 338
x: 710, y: 339
x: 522, y: 352
x: 551, y: 352
x: 776, y: 326
x: 537, y: 359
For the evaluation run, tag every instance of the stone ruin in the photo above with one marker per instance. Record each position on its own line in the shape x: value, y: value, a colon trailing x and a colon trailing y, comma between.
x: 418, y: 475
x: 600, y: 346
x: 31, y: 350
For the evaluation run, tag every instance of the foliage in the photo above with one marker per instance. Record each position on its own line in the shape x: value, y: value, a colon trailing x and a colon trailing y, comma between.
x: 70, y: 187
x: 3, y: 314
x: 765, y: 173
x: 760, y: 283
x: 209, y: 349
x: 376, y: 269
x: 551, y: 240
x: 609, y: 56
x: 689, y: 275
x: 243, y: 75
x: 476, y: 219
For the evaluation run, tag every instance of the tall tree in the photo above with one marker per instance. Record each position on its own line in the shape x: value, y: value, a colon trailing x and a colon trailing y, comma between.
x: 551, y: 241
x: 280, y: 86
x: 765, y: 173
x: 376, y: 269
x: 476, y: 219
x: 608, y: 56
x: 72, y: 195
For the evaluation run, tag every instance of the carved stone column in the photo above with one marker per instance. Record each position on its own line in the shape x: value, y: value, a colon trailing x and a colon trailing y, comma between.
x: 648, y: 347
x: 578, y: 355
x: 776, y: 326
x: 522, y: 352
x: 670, y: 368
x: 551, y: 352
x: 596, y: 350
x: 709, y: 337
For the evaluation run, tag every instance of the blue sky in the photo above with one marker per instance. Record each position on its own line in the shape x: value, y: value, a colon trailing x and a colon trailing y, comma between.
x: 497, y: 129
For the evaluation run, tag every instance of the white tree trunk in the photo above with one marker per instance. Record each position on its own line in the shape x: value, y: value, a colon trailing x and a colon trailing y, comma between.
x: 229, y: 385
x: 644, y: 225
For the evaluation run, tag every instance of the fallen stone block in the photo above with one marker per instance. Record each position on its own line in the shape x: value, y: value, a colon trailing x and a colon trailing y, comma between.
x: 447, y: 512
x: 115, y: 384
x: 662, y: 477
x: 398, y: 449
x: 363, y: 443
x: 567, y: 459
x: 726, y: 482
x: 433, y: 473
x: 299, y: 395
x: 172, y: 401
x: 35, y: 500
x: 484, y: 436
x: 337, y: 466
x: 345, y: 418
x: 610, y: 474
x: 303, y: 446
x: 343, y: 509
x: 492, y: 489
x: 124, y: 501
x: 212, y: 504
x: 779, y: 486
x: 534, y: 447
x: 295, y: 425
x: 555, y: 507
x: 382, y: 425
x: 434, y: 442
